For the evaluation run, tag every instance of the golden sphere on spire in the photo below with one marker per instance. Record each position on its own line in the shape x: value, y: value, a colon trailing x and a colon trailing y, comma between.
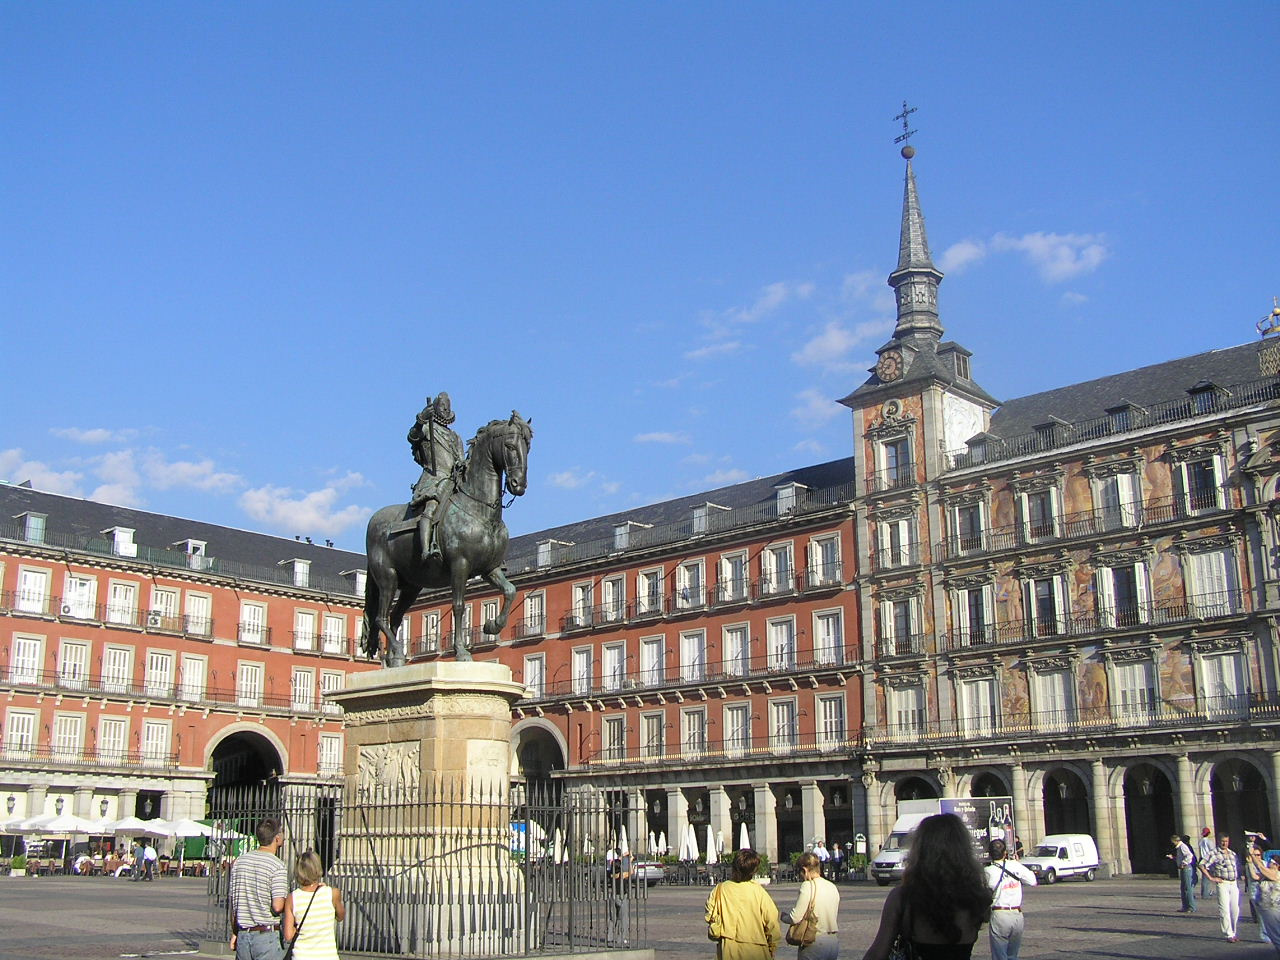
x: 908, y: 152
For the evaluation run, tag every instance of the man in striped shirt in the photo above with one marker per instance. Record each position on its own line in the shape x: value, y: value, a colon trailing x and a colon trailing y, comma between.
x: 1222, y: 867
x: 258, y: 887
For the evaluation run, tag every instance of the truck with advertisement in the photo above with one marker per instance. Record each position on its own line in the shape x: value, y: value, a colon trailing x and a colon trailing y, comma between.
x: 987, y: 818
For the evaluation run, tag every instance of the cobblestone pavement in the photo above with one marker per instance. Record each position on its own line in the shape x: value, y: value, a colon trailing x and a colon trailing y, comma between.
x: 1124, y: 919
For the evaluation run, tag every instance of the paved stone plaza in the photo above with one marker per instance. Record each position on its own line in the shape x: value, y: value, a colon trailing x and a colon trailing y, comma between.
x: 1127, y: 918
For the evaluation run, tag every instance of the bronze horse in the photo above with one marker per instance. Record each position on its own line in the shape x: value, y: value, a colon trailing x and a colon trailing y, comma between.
x: 471, y: 536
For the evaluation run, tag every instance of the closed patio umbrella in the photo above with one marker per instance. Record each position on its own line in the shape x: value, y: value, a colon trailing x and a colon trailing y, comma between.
x: 624, y: 848
x: 662, y: 849
x: 712, y: 855
x: 652, y: 849
x: 744, y: 838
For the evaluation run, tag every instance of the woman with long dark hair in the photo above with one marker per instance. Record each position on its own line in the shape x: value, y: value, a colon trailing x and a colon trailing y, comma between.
x: 943, y: 900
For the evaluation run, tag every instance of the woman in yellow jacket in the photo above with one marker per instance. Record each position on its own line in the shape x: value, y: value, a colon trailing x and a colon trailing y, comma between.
x: 743, y: 914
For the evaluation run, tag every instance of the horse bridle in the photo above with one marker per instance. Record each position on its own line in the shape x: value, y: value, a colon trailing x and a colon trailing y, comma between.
x: 494, y: 505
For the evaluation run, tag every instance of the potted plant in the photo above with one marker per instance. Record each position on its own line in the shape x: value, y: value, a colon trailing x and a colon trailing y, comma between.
x: 764, y: 872
x: 18, y: 866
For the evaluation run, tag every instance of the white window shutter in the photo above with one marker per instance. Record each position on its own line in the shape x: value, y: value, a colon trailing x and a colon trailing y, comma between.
x: 1105, y: 587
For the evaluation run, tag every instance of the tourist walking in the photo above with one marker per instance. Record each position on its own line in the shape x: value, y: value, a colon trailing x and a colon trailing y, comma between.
x: 1268, y: 878
x: 821, y: 894
x: 149, y: 860
x: 619, y: 870
x: 741, y: 917
x: 1184, y: 860
x: 1205, y: 849
x: 312, y: 912
x: 1005, y: 877
x: 943, y: 899
x: 1222, y: 867
x: 256, y: 895
x: 139, y: 866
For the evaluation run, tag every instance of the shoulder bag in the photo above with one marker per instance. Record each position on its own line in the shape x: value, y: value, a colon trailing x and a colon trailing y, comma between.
x: 805, y: 930
x: 902, y: 948
x: 297, y: 930
x: 715, y: 916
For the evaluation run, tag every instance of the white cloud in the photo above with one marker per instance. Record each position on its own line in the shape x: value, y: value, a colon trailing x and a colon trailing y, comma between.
x: 571, y: 479
x: 769, y: 300
x: 119, y: 494
x: 960, y: 255
x: 714, y: 350
x: 301, y: 513
x: 93, y: 435
x: 815, y: 409
x: 722, y: 478
x: 830, y: 349
x: 610, y: 486
x: 661, y: 436
x: 1057, y: 256
x: 202, y: 475
x: 1074, y: 299
x: 15, y: 468
x: 810, y: 445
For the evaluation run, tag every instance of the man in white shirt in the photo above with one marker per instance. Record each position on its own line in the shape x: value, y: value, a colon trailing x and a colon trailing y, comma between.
x: 149, y: 857
x: 1005, y: 877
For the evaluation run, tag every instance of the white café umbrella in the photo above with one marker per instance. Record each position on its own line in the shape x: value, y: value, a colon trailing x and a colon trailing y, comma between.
x: 158, y: 827
x: 689, y: 843
x: 624, y: 848
x: 744, y: 838
x: 186, y: 827
x: 652, y: 849
x: 58, y: 823
x: 558, y: 853
x: 662, y: 849
x: 712, y: 856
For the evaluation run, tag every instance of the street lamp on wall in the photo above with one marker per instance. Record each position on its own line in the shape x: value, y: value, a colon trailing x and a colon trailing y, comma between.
x: 102, y: 806
x: 58, y: 805
x: 10, y: 803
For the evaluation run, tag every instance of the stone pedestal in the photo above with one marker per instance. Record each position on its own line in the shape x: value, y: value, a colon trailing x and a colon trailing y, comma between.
x: 425, y: 836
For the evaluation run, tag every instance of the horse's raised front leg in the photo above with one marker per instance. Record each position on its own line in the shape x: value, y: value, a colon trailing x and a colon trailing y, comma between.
x: 498, y: 578
x: 459, y: 574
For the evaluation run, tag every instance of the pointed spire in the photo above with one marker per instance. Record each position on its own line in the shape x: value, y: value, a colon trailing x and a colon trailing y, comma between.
x: 916, y: 279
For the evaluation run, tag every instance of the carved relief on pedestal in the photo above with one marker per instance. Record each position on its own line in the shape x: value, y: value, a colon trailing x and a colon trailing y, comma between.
x: 388, y: 769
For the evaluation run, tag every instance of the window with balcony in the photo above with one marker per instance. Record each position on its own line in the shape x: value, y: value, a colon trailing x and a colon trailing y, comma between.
x: 898, y: 466
x: 733, y: 577
x: 689, y: 585
x: 906, y: 711
x: 329, y: 759
x: 158, y: 679
x: 653, y: 734
x: 1123, y: 595
x: 1118, y: 501
x: 784, y: 724
x: 331, y: 681
x: 614, y: 607
x: 199, y: 614
x: 164, y: 609
x: 737, y: 650
x: 73, y: 664
x: 302, y: 689
x: 249, y: 684
x: 782, y: 643
x: 778, y: 570
x: 1046, y: 606
x: 194, y: 671
x: 26, y: 659
x: 80, y: 597
x: 582, y: 667
x: 333, y: 636
x: 897, y: 542
x: 113, y: 737
x: 649, y: 592
x: 1039, y: 514
x: 535, y: 675
x: 899, y: 627
x: 117, y: 669
x: 980, y: 706
x: 304, y: 629
x: 613, y: 665
x: 33, y: 591
x: 535, y: 615
x: 489, y: 613
x: 68, y: 736
x: 831, y: 729
x: 431, y: 630
x: 1054, y: 691
x: 967, y: 520
x: 20, y: 734
x: 828, y: 637
x: 693, y: 656
x: 122, y: 603
x: 1200, y: 479
x: 693, y: 730
x: 615, y: 738
x: 737, y: 728
x: 652, y: 660
x: 972, y: 612
x: 1226, y: 693
x: 253, y: 622
x: 824, y: 561
x: 155, y: 741
x: 402, y: 632
x: 1136, y: 698
x: 1212, y: 583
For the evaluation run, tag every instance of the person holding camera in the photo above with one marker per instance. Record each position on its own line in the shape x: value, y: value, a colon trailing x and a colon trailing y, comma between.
x: 1267, y: 876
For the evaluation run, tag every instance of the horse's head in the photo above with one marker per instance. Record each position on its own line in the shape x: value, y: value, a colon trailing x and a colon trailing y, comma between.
x: 517, y: 435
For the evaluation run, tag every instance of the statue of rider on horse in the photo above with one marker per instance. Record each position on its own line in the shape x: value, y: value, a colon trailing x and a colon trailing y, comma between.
x: 456, y: 512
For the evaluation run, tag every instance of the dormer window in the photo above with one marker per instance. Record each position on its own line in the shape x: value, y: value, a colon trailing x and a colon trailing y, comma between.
x: 33, y: 525
x: 357, y: 580
x: 122, y: 544
x: 788, y: 496
x: 622, y: 533
x: 1204, y: 396
x: 547, y: 551
x: 195, y: 551
x: 702, y: 516
x: 300, y: 569
x: 962, y: 366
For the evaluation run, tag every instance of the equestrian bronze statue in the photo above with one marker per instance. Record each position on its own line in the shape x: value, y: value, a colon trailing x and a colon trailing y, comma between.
x: 449, y: 532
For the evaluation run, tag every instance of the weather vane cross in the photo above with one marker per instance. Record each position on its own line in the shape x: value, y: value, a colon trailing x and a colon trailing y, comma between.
x: 907, y: 133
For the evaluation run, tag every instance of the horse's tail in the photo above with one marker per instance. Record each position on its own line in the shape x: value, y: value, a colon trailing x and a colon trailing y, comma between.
x: 369, y: 631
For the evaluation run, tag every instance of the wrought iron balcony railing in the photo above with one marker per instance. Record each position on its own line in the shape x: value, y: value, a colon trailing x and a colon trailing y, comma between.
x: 893, y: 478
x: 890, y: 558
x: 905, y: 645
x: 46, y: 755
x: 697, y: 750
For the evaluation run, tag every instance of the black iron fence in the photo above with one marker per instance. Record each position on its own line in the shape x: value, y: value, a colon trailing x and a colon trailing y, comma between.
x: 447, y: 870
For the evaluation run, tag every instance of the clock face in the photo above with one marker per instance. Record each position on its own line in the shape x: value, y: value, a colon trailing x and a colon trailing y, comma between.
x: 890, y: 366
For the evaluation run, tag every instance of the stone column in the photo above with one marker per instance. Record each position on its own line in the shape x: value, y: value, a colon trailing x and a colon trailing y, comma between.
x: 1102, y: 815
x: 638, y: 823
x: 722, y: 818
x: 1187, y: 796
x: 765, y: 834
x: 812, y: 812
x: 127, y: 804
x: 1275, y: 789
x: 677, y: 819
x: 1021, y: 814
x: 82, y: 805
x: 37, y: 793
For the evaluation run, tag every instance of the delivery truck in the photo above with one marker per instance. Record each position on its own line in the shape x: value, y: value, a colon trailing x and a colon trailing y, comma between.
x: 987, y: 818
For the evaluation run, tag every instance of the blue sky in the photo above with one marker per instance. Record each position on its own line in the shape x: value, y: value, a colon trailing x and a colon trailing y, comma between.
x: 243, y: 241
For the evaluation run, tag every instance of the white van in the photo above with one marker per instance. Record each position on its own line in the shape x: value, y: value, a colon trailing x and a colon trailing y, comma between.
x: 1063, y: 855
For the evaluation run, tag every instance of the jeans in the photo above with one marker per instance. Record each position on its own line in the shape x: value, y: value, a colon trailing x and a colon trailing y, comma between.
x: 1187, y: 887
x: 1005, y: 931
x: 262, y: 945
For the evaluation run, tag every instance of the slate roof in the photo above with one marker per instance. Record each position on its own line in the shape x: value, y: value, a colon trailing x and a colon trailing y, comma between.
x: 75, y: 522
x: 1145, y: 387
